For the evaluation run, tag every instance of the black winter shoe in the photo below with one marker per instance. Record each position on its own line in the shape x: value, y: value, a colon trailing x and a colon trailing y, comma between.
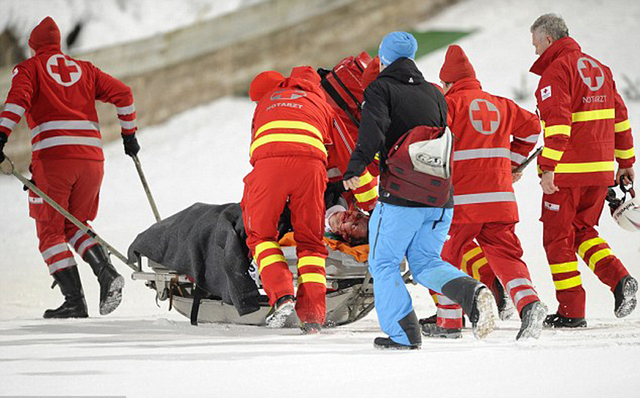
x: 482, y: 317
x: 531, y: 317
x: 559, y: 321
x: 278, y: 314
x: 385, y: 343
x: 433, y: 330
x: 625, y: 295
x: 506, y: 309
x: 311, y: 328
x: 111, y: 282
x: 74, y: 305
x: 432, y: 319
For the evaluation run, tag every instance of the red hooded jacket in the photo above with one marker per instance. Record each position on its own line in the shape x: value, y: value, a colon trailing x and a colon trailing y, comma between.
x: 484, y: 152
x: 585, y: 120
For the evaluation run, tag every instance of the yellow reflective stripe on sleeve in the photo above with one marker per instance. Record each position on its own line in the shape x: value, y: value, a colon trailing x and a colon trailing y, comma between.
x: 266, y: 245
x: 377, y: 157
x: 588, y: 244
x: 591, y: 167
x: 551, y: 154
x: 597, y: 256
x: 625, y: 154
x: 304, y: 139
x: 311, y: 260
x: 599, y: 114
x: 568, y: 283
x: 274, y: 258
x: 623, y: 126
x: 564, y: 267
x: 366, y: 178
x: 367, y: 196
x: 306, y: 278
x: 557, y: 130
x: 289, y: 124
x: 435, y: 297
x: 475, y: 267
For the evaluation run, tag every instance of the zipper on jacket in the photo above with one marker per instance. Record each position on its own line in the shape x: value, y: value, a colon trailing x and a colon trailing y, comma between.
x: 375, y: 242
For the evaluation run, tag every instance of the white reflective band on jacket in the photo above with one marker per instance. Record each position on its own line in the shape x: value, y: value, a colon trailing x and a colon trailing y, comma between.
x: 128, y: 125
x: 481, y: 153
x: 516, y: 157
x: 487, y: 197
x: 533, y: 138
x: 126, y: 110
x: 8, y: 123
x: 66, y: 140
x: 64, y: 125
x: 62, y: 264
x: 13, y: 108
x: 53, y: 250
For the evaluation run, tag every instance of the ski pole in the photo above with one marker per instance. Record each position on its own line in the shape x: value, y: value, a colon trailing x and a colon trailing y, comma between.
x: 528, y: 160
x: 64, y: 212
x: 147, y: 191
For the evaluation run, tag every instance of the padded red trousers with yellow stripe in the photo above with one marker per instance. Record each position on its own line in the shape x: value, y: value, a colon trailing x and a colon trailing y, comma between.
x: 301, y: 181
x: 568, y: 218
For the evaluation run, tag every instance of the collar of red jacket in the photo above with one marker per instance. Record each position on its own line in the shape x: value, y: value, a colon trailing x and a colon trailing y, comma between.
x: 52, y: 48
x: 467, y: 83
x: 557, y: 49
x: 304, y: 78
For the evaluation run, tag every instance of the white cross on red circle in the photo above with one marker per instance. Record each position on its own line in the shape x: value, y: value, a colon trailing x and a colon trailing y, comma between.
x: 484, y: 116
x: 64, y: 71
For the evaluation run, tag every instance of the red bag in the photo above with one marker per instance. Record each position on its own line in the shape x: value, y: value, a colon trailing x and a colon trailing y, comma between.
x: 418, y: 167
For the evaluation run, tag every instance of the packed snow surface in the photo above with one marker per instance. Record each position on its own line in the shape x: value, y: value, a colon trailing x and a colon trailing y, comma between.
x: 202, y: 155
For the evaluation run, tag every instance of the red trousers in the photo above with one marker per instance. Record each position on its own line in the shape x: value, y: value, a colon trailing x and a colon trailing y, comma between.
x: 75, y: 185
x: 272, y: 184
x: 568, y: 218
x: 498, y: 246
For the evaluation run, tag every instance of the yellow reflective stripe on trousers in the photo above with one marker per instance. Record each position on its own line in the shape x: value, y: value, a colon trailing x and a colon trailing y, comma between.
x: 625, y: 154
x: 597, y: 256
x: 591, y: 167
x: 599, y: 114
x: 367, y: 196
x: 468, y: 256
x: 289, y: 125
x: 366, y: 178
x: 551, y: 153
x: 475, y: 267
x: 266, y: 245
x: 274, y: 258
x: 568, y: 283
x: 622, y: 126
x: 564, y: 267
x: 312, y: 277
x: 299, y: 138
x: 588, y: 244
x: 556, y: 130
x: 311, y: 260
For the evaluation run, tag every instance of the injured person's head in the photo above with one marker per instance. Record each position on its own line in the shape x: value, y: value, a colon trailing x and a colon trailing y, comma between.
x: 350, y: 225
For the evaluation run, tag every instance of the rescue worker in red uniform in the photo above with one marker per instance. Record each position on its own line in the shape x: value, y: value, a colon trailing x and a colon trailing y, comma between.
x: 586, y: 130
x: 57, y: 94
x: 485, y: 207
x: 290, y: 128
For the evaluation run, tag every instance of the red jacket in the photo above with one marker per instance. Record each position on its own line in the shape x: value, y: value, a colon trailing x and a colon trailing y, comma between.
x: 484, y: 152
x: 58, y: 93
x: 292, y: 120
x: 584, y: 118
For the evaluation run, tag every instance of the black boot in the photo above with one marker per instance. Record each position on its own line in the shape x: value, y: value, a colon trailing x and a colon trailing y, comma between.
x: 476, y: 301
x: 625, y: 296
x: 111, y: 283
x: 560, y: 321
x: 74, y: 305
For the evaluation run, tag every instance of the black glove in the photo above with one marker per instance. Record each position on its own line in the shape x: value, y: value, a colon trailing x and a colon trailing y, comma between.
x: 131, y: 146
x: 3, y: 140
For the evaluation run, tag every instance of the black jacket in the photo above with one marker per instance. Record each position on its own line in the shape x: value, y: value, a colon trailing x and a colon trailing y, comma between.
x: 397, y: 101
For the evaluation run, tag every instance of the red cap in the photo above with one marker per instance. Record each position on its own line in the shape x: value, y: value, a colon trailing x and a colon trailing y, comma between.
x: 45, y: 34
x: 263, y: 83
x: 456, y: 65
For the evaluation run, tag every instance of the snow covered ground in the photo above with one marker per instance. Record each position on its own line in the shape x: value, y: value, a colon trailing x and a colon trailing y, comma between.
x: 142, y: 350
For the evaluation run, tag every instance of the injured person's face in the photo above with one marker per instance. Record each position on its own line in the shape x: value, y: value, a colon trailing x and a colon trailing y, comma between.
x: 351, y: 225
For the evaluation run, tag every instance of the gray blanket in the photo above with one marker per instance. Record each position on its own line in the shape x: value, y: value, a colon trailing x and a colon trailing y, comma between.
x: 208, y: 243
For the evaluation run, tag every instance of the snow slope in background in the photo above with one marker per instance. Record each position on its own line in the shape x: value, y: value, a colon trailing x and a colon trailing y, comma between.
x: 110, y: 22
x: 202, y: 155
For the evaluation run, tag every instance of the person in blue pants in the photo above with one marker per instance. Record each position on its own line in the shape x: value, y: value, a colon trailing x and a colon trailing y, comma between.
x: 406, y: 221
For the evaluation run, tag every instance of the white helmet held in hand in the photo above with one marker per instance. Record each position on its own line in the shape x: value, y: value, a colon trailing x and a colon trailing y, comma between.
x: 627, y: 215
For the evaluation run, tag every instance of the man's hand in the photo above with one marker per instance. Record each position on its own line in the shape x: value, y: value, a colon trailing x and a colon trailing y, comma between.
x: 131, y: 146
x: 546, y: 182
x: 352, y: 183
x: 625, y: 176
x: 516, y: 175
x: 3, y: 140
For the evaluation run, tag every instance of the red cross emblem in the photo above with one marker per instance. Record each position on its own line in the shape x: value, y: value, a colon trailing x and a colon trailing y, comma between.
x: 484, y: 116
x: 590, y: 73
x: 64, y: 71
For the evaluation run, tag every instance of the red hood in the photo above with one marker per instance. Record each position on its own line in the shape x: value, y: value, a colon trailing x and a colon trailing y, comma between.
x: 304, y: 78
x: 555, y: 50
x: 46, y: 34
x: 467, y: 83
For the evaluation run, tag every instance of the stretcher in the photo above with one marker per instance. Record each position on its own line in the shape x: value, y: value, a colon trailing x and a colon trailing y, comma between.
x: 349, y: 292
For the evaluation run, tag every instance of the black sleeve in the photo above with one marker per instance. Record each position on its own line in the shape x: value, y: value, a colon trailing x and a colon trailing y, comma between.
x: 375, y: 122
